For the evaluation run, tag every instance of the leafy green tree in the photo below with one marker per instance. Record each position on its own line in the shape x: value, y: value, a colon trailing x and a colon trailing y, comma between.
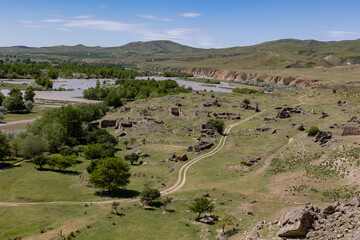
x: 133, y: 157
x: 201, y: 205
x: 40, y: 160
x: 227, y: 220
x: 149, y: 195
x: 93, y: 164
x: 29, y: 94
x: 14, y: 102
x: 126, y: 143
x: 64, y: 162
x: 4, y: 146
x: 218, y: 124
x: 52, y: 73
x: 115, y: 206
x: 111, y: 174
x: 166, y: 201
x: 246, y: 102
x: 29, y: 105
x: 1, y: 116
x: 313, y: 130
x: 94, y: 151
x: 32, y: 145
x: 2, y: 97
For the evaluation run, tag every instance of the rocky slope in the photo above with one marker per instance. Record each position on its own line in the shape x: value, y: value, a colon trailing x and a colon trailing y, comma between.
x: 336, y: 221
x: 243, y: 76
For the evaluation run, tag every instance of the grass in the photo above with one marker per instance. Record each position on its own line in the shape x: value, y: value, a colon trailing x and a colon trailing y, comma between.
x: 301, y: 172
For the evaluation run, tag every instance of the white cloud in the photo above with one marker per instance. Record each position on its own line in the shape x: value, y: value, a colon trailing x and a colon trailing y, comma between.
x: 101, y: 25
x: 83, y: 17
x: 155, y: 17
x: 26, y: 22
x: 190, y: 15
x: 340, y: 34
x: 55, y: 20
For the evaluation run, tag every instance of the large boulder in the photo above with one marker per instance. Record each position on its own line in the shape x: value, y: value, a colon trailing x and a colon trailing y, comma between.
x: 209, y: 219
x: 297, y: 222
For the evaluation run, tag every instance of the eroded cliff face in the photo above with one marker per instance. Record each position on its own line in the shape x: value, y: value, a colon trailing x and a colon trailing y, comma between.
x: 242, y: 76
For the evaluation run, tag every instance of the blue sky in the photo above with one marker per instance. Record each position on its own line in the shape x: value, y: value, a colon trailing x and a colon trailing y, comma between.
x: 206, y: 24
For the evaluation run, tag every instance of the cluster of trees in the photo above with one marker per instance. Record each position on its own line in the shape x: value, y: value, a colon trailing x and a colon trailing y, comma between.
x: 45, y: 82
x: 28, y: 69
x: 15, y: 102
x: 177, y: 74
x: 130, y: 89
x: 56, y: 160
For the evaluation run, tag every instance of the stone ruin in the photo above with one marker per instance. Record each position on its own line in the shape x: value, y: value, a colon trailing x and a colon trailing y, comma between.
x: 175, y: 158
x: 351, y: 131
x: 208, y: 129
x: 202, y: 146
x: 176, y: 111
x: 108, y: 123
x: 227, y: 115
x: 287, y: 111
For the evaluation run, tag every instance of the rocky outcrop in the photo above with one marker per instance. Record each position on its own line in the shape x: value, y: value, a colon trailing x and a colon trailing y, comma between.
x: 351, y: 130
x: 108, y: 123
x: 176, y: 111
x: 287, y: 111
x: 202, y: 146
x: 297, y: 222
x: 175, y: 158
x: 323, y: 137
x: 336, y: 221
x: 209, y: 219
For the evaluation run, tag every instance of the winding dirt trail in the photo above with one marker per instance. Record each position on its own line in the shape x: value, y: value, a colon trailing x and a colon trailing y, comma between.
x: 179, y: 183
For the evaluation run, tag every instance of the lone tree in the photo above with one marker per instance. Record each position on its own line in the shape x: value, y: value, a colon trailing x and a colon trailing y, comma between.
x: 14, y: 102
x: 201, y: 205
x: 40, y: 160
x: 114, y: 207
x: 111, y: 174
x: 29, y: 94
x: 4, y: 146
x: 149, y: 195
x: 246, y: 102
x: 313, y: 130
x: 218, y: 124
x: 166, y: 201
x: 227, y: 220
x: 126, y: 143
x: 133, y: 157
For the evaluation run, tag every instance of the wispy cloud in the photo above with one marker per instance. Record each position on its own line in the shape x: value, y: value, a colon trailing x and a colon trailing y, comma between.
x: 155, y: 17
x: 26, y: 22
x: 104, y: 25
x: 83, y: 17
x: 54, y: 20
x: 341, y: 34
x: 190, y: 14
x: 143, y: 31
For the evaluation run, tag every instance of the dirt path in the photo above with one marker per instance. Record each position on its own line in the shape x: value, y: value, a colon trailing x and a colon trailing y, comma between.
x: 16, y: 125
x: 180, y: 182
x: 14, y: 165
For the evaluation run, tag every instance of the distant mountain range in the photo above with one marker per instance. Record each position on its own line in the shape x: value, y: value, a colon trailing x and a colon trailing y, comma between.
x: 280, y: 54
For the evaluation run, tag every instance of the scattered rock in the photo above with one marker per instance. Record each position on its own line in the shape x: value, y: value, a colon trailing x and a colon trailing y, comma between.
x: 301, y: 128
x: 202, y: 146
x: 323, y: 137
x: 209, y: 219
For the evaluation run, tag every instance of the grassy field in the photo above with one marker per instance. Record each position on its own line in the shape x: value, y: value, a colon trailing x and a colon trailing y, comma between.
x: 280, y: 181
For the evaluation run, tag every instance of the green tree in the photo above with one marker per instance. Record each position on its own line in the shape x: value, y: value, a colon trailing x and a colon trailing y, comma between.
x: 1, y: 116
x: 94, y: 151
x: 64, y: 162
x: 114, y: 206
x: 32, y: 145
x: 2, y: 97
x: 201, y: 205
x: 40, y: 160
x: 126, y: 143
x: 29, y: 94
x: 227, y: 220
x: 29, y: 105
x: 14, y: 102
x: 218, y: 124
x: 133, y: 157
x: 246, y: 102
x: 166, y: 201
x: 4, y: 146
x: 149, y: 195
x: 313, y: 130
x: 111, y: 174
